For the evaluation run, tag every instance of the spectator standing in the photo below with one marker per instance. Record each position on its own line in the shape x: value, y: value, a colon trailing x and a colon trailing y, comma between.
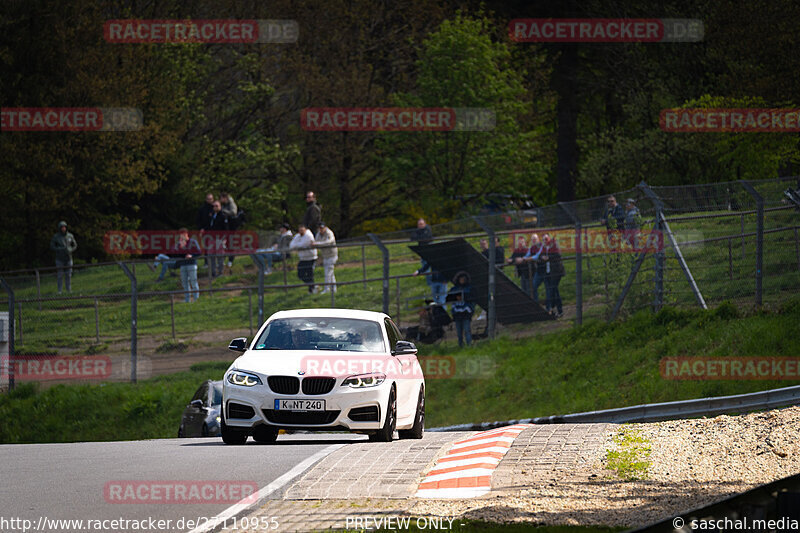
x: 218, y: 222
x: 313, y: 215
x: 554, y: 271
x: 517, y: 259
x: 231, y: 210
x: 203, y: 216
x: 499, y: 251
x: 423, y: 233
x: 614, y: 215
x: 436, y: 281
x: 326, y: 242
x: 64, y: 244
x: 187, y: 250
x: 633, y: 221
x: 462, y: 307
x: 533, y: 256
x: 303, y: 242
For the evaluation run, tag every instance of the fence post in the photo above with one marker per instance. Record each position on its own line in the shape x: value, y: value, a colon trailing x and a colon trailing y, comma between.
x: 397, y: 316
x: 259, y: 262
x: 491, y: 312
x: 578, y: 263
x: 134, y: 316
x: 11, y: 351
x: 385, y: 252
x: 250, y: 309
x: 364, y: 264
x: 19, y: 313
x: 38, y: 288
x: 759, y: 239
x: 797, y: 248
x: 172, y: 313
x: 97, y: 322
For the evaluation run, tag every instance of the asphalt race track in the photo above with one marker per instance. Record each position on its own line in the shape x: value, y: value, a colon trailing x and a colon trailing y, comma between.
x: 67, y: 481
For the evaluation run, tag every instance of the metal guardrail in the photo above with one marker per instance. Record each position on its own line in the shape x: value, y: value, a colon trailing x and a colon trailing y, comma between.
x: 656, y: 412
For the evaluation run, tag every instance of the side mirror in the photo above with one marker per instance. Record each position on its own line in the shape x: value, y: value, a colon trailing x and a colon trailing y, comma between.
x: 238, y: 344
x: 196, y: 403
x: 404, y: 348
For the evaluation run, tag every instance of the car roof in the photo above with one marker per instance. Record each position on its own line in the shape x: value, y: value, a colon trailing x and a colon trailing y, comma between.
x: 331, y: 313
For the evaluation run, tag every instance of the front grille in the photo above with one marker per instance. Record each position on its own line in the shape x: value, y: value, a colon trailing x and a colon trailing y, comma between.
x: 313, y: 386
x: 284, y: 384
x: 364, y: 414
x: 237, y: 410
x: 294, y: 418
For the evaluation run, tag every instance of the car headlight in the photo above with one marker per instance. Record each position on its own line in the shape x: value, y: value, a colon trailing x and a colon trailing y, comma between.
x: 364, y: 380
x: 219, y: 419
x: 243, y: 379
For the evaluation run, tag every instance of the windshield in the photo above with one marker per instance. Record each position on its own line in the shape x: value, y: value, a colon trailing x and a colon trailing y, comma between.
x: 340, y: 334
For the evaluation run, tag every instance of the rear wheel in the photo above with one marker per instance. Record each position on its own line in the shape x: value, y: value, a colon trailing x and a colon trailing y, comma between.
x: 418, y: 428
x: 386, y: 433
x: 181, y: 432
x: 232, y: 435
x: 263, y: 434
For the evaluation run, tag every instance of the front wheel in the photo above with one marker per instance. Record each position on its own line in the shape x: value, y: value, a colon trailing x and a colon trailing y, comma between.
x: 264, y: 434
x: 232, y: 435
x: 418, y: 428
x: 386, y: 433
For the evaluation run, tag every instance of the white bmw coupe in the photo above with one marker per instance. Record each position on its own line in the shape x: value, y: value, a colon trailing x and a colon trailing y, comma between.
x: 324, y: 369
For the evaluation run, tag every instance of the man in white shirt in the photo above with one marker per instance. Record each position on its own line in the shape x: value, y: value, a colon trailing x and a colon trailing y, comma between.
x: 326, y: 242
x: 303, y: 243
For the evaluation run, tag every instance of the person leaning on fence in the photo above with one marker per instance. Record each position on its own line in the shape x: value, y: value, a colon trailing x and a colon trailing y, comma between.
x: 462, y: 307
x: 554, y: 271
x: 187, y: 250
x: 278, y: 251
x: 436, y: 281
x: 523, y: 271
x: 614, y: 220
x: 326, y: 242
x: 64, y: 244
x: 633, y: 221
x: 531, y: 259
x: 303, y: 242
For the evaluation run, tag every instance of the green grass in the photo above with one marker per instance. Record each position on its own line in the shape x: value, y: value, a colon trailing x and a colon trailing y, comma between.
x: 602, y: 366
x: 101, y: 412
x: 629, y: 459
x: 596, y: 366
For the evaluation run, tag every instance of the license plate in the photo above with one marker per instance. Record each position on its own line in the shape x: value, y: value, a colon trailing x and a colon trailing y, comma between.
x: 299, y: 405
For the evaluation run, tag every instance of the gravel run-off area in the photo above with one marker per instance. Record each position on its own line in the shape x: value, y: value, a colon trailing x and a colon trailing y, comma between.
x: 693, y: 463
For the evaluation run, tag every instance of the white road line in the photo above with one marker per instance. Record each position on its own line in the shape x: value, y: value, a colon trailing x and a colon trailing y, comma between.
x: 246, y: 503
x: 481, y: 441
x: 472, y: 472
x: 464, y: 462
x: 501, y: 449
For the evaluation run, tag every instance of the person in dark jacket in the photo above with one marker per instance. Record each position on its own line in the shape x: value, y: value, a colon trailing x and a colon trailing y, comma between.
x: 231, y: 210
x: 499, y: 251
x: 63, y: 244
x: 614, y: 220
x: 218, y: 222
x: 554, y: 271
x: 203, y: 214
x: 313, y: 214
x: 538, y: 267
x: 436, y: 280
x: 423, y: 233
x: 187, y: 250
x: 517, y: 259
x: 462, y: 307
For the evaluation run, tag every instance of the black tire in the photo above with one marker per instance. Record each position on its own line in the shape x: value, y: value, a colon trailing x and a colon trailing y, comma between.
x: 418, y: 429
x: 386, y: 433
x: 231, y: 435
x: 205, y: 430
x: 181, y: 433
x: 265, y: 434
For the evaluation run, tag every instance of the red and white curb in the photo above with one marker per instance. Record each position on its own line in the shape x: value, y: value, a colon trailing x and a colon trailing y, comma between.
x: 465, y: 471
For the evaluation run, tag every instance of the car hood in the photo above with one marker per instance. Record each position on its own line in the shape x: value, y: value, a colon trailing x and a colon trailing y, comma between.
x: 311, y: 363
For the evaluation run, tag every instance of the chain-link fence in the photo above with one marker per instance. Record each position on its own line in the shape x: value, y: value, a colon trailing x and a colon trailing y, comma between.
x: 689, y: 246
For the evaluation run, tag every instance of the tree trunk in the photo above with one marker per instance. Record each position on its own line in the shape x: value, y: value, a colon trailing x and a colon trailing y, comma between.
x: 565, y: 84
